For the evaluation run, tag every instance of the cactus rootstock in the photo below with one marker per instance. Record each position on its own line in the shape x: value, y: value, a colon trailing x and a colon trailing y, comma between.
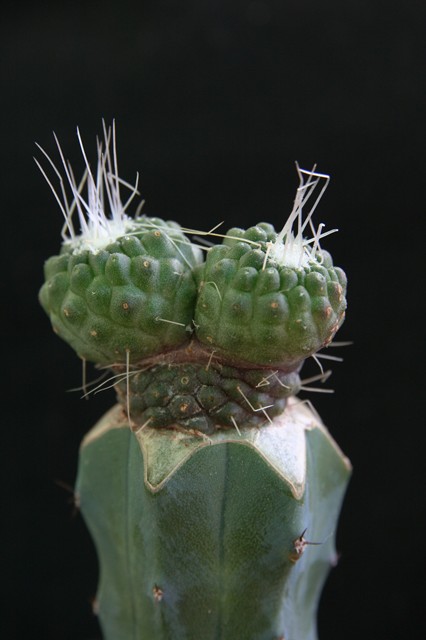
x: 198, y: 510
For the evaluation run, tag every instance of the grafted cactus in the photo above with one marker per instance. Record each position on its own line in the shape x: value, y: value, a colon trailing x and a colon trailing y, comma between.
x: 200, y: 485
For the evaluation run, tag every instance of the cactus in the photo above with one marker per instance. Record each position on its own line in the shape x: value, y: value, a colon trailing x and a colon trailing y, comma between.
x: 211, y: 491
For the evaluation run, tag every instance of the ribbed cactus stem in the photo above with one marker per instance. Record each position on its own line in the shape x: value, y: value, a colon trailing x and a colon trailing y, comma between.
x: 205, y: 537
x: 211, y: 491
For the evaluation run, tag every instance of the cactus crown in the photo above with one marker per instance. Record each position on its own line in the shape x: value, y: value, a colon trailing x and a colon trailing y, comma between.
x: 136, y: 291
x: 102, y: 216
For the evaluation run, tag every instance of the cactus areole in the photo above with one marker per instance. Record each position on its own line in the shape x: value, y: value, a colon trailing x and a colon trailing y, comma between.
x: 211, y: 490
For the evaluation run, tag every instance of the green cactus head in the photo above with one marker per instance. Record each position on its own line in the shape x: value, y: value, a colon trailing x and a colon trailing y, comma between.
x: 124, y: 290
x: 272, y: 299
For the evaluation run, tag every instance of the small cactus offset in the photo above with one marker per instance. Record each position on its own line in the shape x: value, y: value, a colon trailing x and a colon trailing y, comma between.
x: 211, y: 491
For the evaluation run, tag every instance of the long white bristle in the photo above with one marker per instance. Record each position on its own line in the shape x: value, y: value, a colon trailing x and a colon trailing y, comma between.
x: 291, y: 248
x: 101, y: 215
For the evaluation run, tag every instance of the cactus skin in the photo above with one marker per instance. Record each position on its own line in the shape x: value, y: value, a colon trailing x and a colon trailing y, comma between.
x: 119, y: 299
x: 198, y: 538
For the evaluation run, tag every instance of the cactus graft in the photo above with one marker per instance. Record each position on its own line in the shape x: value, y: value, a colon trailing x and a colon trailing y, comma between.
x: 199, y: 486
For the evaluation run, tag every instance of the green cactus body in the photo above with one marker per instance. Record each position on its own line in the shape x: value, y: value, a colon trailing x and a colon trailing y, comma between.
x: 202, y: 538
x: 257, y: 309
x: 135, y: 295
x: 199, y: 486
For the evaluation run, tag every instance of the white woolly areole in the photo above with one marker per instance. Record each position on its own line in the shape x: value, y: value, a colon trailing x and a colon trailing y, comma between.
x: 101, y: 214
x: 291, y: 248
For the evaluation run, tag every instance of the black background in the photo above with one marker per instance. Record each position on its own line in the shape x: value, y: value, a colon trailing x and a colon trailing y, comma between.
x: 214, y: 101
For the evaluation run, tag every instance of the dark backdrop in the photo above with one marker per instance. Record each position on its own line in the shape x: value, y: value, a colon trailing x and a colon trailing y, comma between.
x: 214, y: 101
